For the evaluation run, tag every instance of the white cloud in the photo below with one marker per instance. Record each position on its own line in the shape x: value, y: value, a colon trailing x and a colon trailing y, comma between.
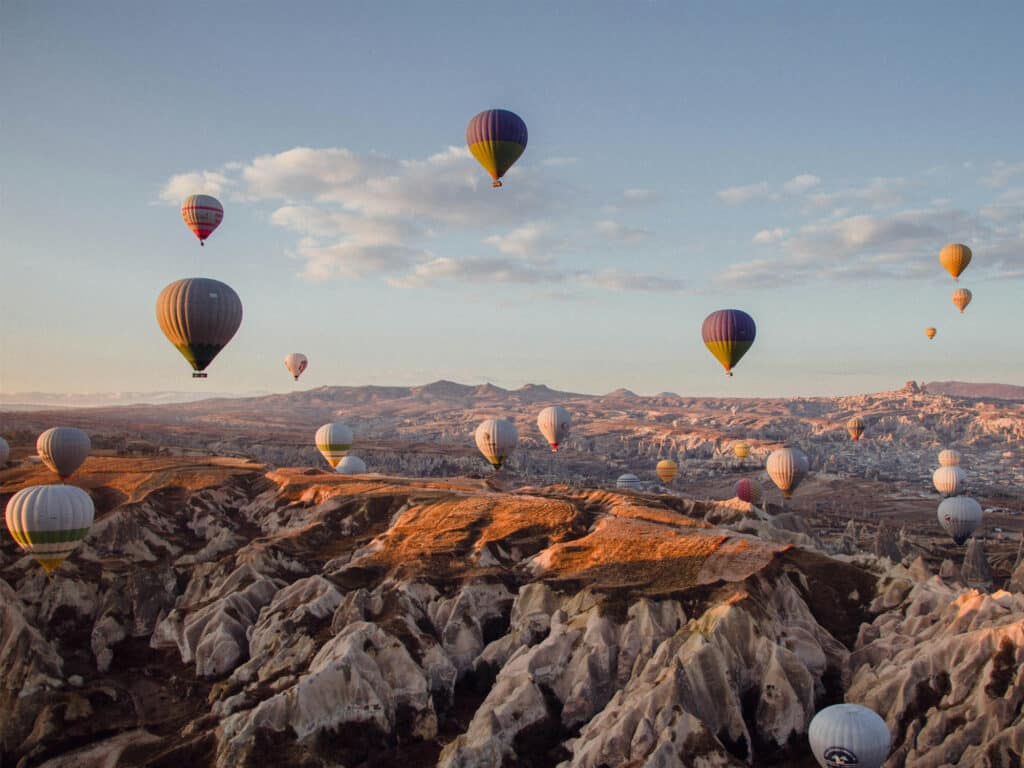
x: 880, y: 192
x: 476, y: 270
x: 617, y: 280
x: 355, y: 259
x: 181, y: 185
x: 639, y: 195
x: 1003, y: 173
x: 801, y: 183
x: 768, y: 236
x: 526, y: 241
x: 744, y: 194
x: 613, y: 230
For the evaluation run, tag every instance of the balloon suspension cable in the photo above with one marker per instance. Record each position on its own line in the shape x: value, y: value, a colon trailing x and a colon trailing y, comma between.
x: 496, y: 183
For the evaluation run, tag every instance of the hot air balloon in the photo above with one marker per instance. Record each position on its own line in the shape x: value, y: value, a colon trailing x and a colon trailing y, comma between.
x: 728, y: 333
x: 949, y: 458
x: 497, y: 138
x: 5, y: 452
x: 554, y: 422
x: 749, y: 491
x: 333, y: 441
x: 202, y: 214
x: 849, y: 735
x: 199, y: 316
x: 629, y: 481
x: 296, y: 363
x: 49, y: 521
x: 949, y: 481
x: 855, y: 427
x: 666, y: 470
x: 959, y: 516
x: 351, y: 465
x: 742, y: 450
x: 954, y: 258
x: 929, y: 332
x: 787, y: 467
x: 961, y: 298
x: 63, y: 449
x: 496, y: 439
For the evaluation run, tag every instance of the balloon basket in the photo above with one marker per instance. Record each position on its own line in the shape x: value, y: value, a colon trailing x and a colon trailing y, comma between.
x: 198, y: 375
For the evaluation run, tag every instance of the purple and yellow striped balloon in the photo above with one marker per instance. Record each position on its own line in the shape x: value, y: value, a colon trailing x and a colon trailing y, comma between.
x: 728, y: 334
x: 497, y: 138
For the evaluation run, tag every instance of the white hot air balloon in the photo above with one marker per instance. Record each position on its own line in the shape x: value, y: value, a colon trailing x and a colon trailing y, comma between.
x: 496, y: 439
x: 959, y: 516
x: 296, y: 363
x: 554, y: 422
x: 5, y: 452
x: 49, y: 521
x: 949, y: 458
x: 334, y: 441
x: 629, y: 481
x: 351, y: 465
x: 787, y: 467
x: 849, y: 735
x: 949, y: 481
x: 63, y: 449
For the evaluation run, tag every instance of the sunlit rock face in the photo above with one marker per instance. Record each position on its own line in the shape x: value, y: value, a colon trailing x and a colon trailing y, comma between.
x: 224, y: 614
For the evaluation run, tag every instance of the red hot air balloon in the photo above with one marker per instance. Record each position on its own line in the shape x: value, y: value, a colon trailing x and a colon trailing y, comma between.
x: 202, y: 214
x: 728, y: 334
x: 497, y: 138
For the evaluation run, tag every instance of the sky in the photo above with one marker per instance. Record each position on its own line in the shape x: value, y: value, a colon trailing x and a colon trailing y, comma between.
x: 804, y: 162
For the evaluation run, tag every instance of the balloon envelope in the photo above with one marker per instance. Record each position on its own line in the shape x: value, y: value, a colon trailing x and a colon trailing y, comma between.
x: 63, y: 449
x: 959, y: 516
x: 666, y: 470
x: 728, y: 334
x: 554, y: 423
x: 628, y: 481
x: 351, y: 465
x: 496, y: 138
x: 930, y: 333
x: 749, y: 491
x: 961, y: 298
x: 296, y: 363
x: 855, y: 427
x: 954, y: 258
x: 949, y: 481
x: 787, y: 467
x: 849, y: 735
x: 742, y: 450
x: 333, y: 441
x: 949, y: 457
x: 199, y: 316
x: 202, y: 214
x: 49, y: 521
x: 5, y: 452
x: 496, y: 439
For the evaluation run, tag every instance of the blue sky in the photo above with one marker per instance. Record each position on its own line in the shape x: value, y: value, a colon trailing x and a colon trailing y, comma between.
x: 802, y: 161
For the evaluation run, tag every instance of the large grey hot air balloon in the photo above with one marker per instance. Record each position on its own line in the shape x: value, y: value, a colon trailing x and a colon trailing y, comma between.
x: 496, y: 439
x: 787, y: 467
x: 5, y: 452
x: 351, y: 465
x: 949, y: 481
x: 554, y: 422
x: 63, y: 449
x: 949, y: 458
x: 199, y: 316
x: 628, y: 481
x: 296, y: 363
x: 849, y: 735
x: 49, y: 521
x: 333, y: 441
x: 959, y: 515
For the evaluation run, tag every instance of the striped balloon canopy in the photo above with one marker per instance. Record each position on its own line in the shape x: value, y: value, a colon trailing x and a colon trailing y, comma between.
x: 334, y: 441
x: 961, y: 298
x: 954, y: 258
x: 496, y: 138
x: 202, y: 214
x: 855, y: 427
x: 49, y: 521
x: 749, y: 491
x: 496, y: 439
x: 728, y: 334
x: 666, y: 470
x: 199, y: 316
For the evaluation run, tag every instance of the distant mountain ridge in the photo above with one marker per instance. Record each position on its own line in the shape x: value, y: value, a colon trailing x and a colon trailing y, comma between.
x: 972, y: 389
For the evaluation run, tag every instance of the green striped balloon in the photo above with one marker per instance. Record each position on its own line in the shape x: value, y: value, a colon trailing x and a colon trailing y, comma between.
x: 50, y: 521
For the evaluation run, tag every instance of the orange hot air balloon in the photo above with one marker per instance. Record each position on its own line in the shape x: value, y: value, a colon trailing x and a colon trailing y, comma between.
x: 961, y: 298
x: 666, y: 470
x: 930, y: 333
x: 855, y: 427
x: 954, y: 258
x: 202, y: 214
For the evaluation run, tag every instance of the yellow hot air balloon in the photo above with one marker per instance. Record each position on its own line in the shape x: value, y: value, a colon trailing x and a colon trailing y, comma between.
x: 666, y: 470
x: 855, y: 427
x: 334, y: 441
x: 961, y: 298
x: 954, y: 258
x: 929, y: 332
x: 742, y: 450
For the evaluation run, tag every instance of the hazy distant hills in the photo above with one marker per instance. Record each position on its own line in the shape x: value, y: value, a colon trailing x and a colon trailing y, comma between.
x: 969, y: 389
x: 19, y: 401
